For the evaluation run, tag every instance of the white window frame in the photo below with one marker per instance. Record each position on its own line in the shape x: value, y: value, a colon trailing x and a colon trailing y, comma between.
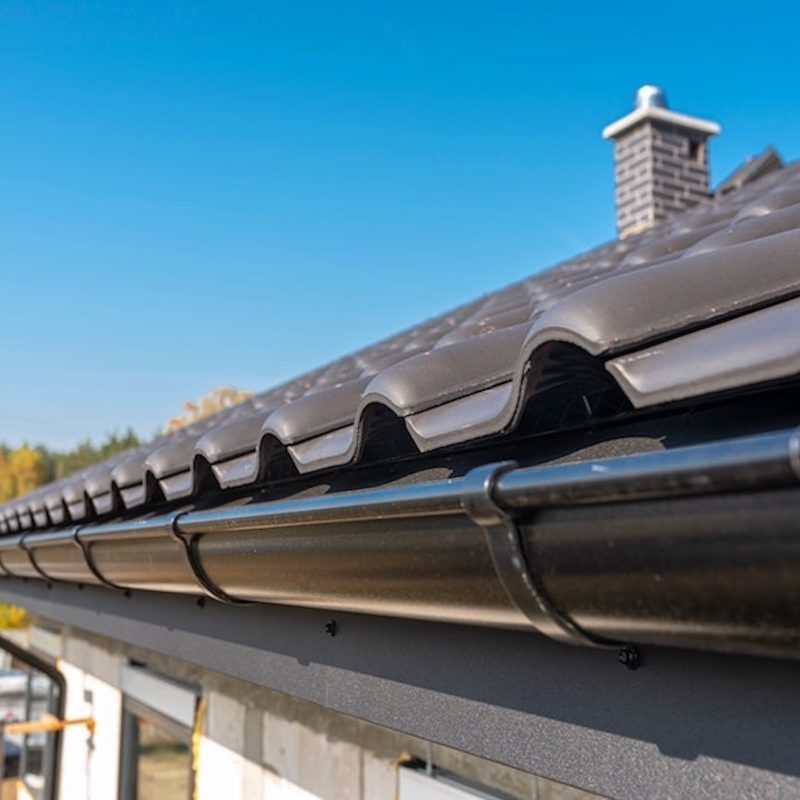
x: 420, y: 784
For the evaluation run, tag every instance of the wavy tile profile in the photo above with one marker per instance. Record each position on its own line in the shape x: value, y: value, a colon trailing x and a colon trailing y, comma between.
x: 703, y: 303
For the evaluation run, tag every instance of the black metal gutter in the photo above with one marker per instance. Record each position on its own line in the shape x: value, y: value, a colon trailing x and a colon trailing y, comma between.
x: 696, y: 546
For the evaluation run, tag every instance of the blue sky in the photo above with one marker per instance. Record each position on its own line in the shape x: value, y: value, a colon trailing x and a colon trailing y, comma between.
x: 204, y: 194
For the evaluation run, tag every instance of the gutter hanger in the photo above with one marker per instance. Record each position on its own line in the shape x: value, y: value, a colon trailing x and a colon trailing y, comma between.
x: 696, y: 546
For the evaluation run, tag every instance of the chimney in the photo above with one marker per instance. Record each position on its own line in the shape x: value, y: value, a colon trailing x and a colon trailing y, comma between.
x: 660, y: 161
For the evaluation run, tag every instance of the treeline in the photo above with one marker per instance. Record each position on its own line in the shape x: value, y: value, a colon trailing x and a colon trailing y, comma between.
x: 25, y: 468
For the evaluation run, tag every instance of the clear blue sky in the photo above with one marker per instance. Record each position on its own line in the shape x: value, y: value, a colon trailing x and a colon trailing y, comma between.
x: 204, y: 194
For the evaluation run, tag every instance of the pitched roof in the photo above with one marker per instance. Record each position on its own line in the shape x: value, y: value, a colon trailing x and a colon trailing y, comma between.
x: 752, y: 169
x: 697, y: 305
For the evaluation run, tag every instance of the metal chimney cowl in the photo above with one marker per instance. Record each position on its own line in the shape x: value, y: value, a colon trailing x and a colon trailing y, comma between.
x: 660, y: 161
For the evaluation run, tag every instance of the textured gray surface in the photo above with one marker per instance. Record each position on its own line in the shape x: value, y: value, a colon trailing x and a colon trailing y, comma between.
x: 472, y: 373
x: 570, y: 714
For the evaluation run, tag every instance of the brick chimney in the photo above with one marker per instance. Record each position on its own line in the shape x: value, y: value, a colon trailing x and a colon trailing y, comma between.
x: 660, y: 161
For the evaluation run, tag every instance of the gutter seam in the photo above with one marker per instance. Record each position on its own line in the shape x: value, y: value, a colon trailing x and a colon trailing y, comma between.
x: 523, y: 587
x: 23, y: 545
x: 86, y: 549
x: 186, y: 541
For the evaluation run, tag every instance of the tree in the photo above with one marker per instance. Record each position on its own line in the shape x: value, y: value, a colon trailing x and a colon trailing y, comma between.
x: 27, y: 467
x: 210, y: 403
x: 86, y: 453
x: 21, y: 471
x: 6, y: 478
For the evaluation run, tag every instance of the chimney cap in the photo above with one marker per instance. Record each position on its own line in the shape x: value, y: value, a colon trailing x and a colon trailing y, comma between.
x: 651, y: 104
x: 649, y: 96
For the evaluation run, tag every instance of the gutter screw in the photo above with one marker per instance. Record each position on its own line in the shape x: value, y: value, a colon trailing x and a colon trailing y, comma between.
x: 331, y: 628
x: 629, y: 657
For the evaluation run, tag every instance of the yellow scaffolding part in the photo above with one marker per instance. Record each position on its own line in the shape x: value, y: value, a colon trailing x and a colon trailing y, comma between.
x: 47, y: 724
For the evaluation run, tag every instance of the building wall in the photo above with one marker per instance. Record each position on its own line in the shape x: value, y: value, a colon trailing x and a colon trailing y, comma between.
x: 255, y: 743
x: 89, y: 765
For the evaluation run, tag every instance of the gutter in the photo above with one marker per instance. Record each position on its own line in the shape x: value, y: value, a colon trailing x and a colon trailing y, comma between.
x: 690, y: 547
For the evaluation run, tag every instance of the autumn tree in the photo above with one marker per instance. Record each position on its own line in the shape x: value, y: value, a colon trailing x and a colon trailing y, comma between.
x: 21, y: 471
x: 6, y: 478
x: 210, y: 403
x: 87, y: 453
x: 25, y: 468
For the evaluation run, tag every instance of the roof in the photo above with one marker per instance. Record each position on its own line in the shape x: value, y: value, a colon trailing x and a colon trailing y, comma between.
x: 755, y: 167
x: 696, y: 306
x: 645, y: 518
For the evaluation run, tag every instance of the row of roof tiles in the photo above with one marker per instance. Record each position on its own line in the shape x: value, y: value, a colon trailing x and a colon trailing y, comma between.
x: 467, y: 374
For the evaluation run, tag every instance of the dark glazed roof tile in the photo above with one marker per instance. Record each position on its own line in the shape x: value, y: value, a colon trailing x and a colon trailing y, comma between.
x: 676, y: 243
x: 98, y: 481
x: 329, y: 449
x: 232, y: 438
x: 773, y: 201
x: 672, y: 296
x: 696, y: 305
x: 753, y: 348
x: 750, y: 228
x: 316, y: 413
x: 444, y: 373
x: 130, y: 470
x: 177, y: 452
x: 467, y: 417
x: 24, y: 516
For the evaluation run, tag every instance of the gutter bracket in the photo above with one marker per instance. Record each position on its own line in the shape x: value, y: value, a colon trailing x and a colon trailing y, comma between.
x: 23, y: 545
x: 521, y: 583
x: 86, y: 549
x: 196, y: 568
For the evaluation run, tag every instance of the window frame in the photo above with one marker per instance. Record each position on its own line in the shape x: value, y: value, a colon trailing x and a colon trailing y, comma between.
x: 51, y: 758
x: 419, y: 781
x: 133, y: 710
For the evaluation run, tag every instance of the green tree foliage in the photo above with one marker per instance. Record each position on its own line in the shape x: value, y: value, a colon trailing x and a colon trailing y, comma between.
x: 25, y: 468
x: 86, y: 453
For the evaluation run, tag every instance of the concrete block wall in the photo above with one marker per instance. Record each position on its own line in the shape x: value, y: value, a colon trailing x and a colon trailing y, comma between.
x: 89, y: 766
x: 255, y: 744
